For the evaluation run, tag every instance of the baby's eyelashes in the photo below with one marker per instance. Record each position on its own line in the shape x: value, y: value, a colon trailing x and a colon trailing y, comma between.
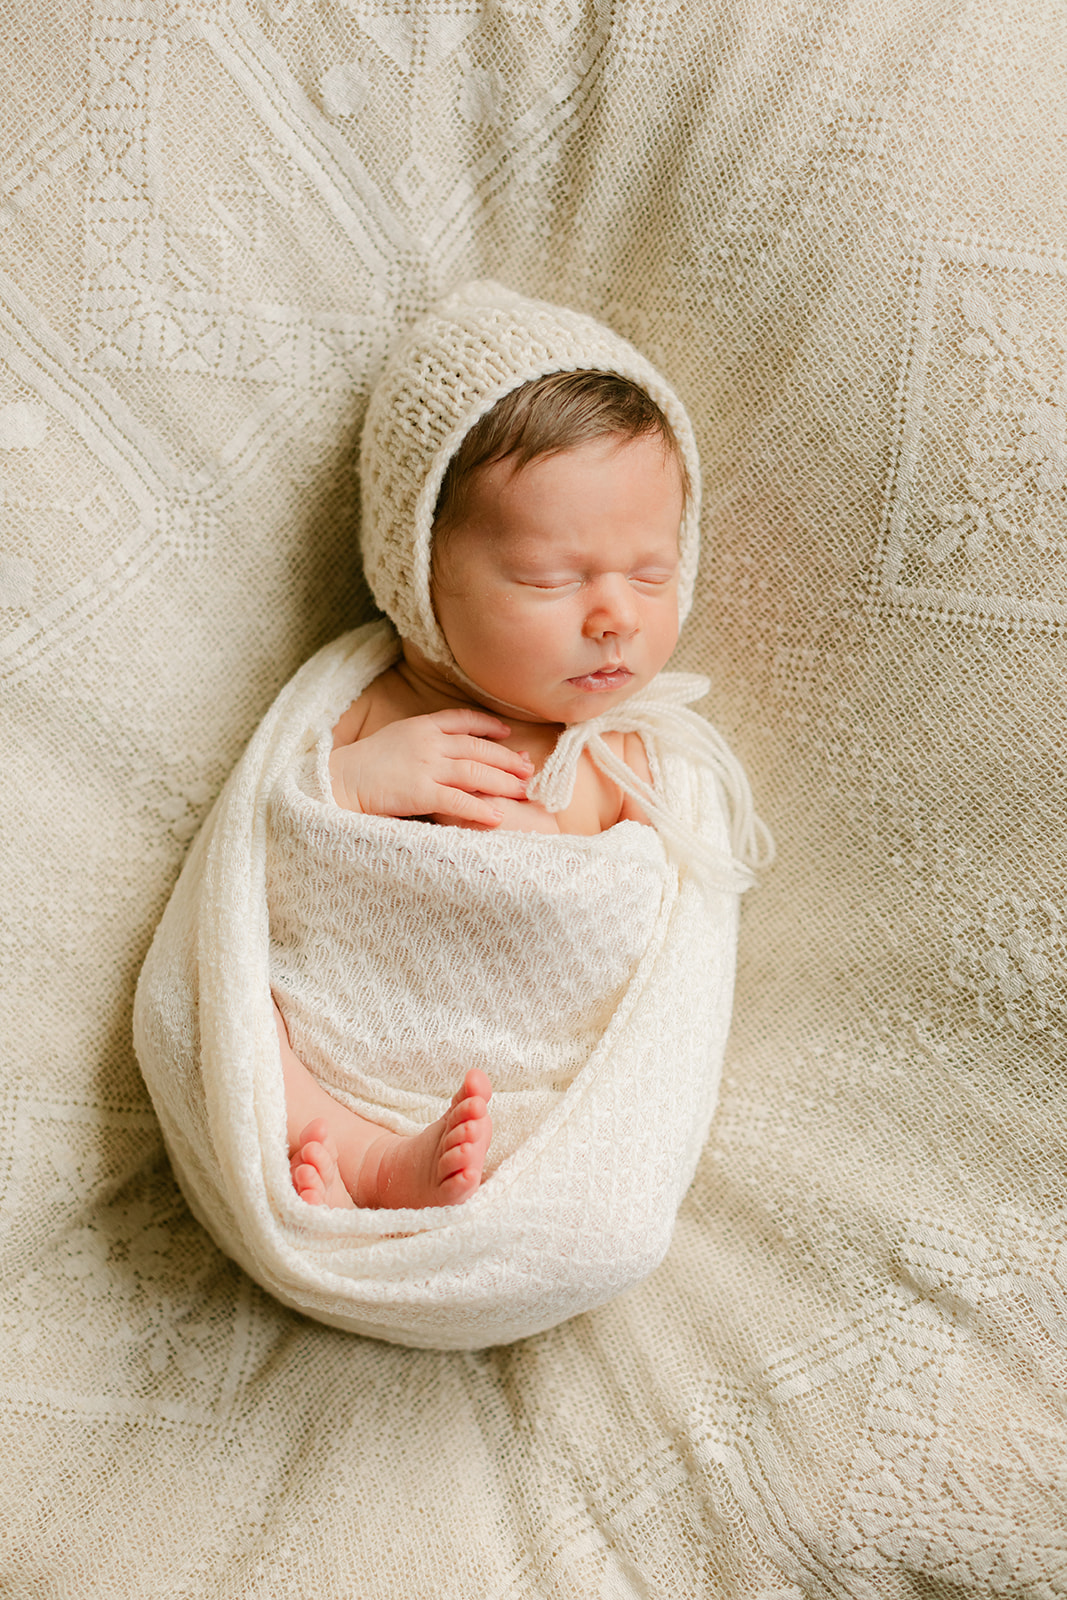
x: 552, y: 586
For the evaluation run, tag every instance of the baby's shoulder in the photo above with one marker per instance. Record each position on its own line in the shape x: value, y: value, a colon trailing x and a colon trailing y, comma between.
x: 616, y: 805
x: 630, y: 747
x: 385, y: 700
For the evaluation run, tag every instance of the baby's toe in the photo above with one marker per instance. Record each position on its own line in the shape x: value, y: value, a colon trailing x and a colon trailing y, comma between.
x: 307, y: 1181
x: 316, y: 1132
x: 467, y: 1111
x: 320, y: 1156
x: 453, y: 1161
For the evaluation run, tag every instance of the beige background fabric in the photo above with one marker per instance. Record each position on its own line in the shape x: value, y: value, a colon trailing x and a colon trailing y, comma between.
x: 838, y: 226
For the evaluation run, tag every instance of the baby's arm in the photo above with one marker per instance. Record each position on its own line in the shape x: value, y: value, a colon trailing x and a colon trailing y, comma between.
x: 447, y: 766
x: 527, y: 816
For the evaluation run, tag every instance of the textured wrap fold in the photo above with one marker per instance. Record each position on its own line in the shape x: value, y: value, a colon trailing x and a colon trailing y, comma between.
x: 604, y: 1101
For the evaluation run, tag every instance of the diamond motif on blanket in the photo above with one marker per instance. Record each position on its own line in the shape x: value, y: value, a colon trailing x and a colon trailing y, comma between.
x: 915, y: 1381
x: 18, y: 583
x: 928, y: 1477
x: 977, y: 510
x: 345, y: 89
x: 417, y: 40
x: 33, y: 164
x: 23, y: 425
x: 1011, y: 960
x: 215, y: 296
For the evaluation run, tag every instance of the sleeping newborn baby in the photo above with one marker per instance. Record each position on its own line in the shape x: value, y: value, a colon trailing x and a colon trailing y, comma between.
x: 554, y: 578
x: 481, y: 849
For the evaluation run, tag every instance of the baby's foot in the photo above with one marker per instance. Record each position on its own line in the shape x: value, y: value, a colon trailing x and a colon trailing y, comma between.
x: 313, y: 1167
x: 441, y: 1166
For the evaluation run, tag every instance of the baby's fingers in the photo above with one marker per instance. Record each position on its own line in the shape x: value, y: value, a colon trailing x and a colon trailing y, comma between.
x: 476, y: 778
x: 463, y: 810
x: 462, y: 719
x: 492, y: 755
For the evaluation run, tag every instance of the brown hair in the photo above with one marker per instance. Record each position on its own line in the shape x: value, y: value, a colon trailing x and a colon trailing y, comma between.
x: 543, y: 417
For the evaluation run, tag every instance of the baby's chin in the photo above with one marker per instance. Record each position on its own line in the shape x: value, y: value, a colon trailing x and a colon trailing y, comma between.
x: 586, y: 700
x: 553, y: 711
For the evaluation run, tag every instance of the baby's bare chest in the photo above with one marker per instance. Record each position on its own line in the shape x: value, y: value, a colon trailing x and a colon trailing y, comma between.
x: 596, y: 802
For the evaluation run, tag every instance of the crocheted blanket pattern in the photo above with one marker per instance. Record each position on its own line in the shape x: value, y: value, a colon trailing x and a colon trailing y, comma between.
x: 837, y: 227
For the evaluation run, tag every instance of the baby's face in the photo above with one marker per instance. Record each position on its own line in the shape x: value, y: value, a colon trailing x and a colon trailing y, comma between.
x: 558, y: 592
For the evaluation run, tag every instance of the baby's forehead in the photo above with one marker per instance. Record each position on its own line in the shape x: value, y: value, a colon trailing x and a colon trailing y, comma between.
x: 583, y: 410
x: 644, y: 463
x: 582, y: 499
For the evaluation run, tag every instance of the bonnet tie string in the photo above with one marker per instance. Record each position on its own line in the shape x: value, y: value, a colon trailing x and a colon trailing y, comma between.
x: 659, y: 711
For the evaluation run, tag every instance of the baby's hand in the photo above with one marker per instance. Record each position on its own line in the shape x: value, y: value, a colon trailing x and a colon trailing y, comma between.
x: 446, y: 765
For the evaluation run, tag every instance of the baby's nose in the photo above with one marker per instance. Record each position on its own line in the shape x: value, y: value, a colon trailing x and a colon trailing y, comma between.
x: 612, y: 609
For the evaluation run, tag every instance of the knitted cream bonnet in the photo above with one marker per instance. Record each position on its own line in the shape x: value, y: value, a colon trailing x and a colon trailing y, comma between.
x: 470, y: 351
x: 454, y: 365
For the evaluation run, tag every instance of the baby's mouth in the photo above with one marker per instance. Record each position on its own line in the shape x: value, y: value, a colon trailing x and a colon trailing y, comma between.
x: 603, y: 678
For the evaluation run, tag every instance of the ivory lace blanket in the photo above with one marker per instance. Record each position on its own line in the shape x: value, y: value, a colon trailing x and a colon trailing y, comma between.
x: 589, y: 977
x: 838, y: 227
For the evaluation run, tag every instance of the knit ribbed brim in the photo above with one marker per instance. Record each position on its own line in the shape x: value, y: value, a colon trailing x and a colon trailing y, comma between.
x: 470, y: 351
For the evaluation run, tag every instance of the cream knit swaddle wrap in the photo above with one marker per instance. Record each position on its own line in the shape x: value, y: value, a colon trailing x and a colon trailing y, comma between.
x: 403, y: 955
x: 591, y: 977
